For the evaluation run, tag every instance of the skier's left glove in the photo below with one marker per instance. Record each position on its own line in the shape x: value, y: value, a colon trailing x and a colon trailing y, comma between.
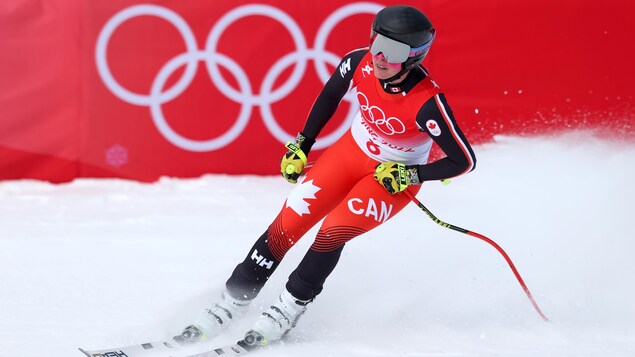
x: 293, y: 161
x: 396, y: 177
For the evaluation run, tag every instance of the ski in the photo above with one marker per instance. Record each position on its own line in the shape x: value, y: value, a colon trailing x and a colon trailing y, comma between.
x: 176, y: 347
x: 169, y: 348
x: 250, y: 343
x: 239, y: 348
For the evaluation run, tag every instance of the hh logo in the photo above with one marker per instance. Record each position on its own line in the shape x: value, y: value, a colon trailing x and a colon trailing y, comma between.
x: 370, y: 209
x: 345, y: 67
x: 260, y: 260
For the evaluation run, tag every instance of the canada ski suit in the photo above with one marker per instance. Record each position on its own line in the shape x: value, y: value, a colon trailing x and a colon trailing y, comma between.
x: 395, y: 123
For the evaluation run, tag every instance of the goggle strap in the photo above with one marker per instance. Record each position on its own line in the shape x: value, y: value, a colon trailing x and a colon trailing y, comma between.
x: 414, y: 51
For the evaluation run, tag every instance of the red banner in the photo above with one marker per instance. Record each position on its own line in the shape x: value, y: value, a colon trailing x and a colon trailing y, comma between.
x: 128, y: 89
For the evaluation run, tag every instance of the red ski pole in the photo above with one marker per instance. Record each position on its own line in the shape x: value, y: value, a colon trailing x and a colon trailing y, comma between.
x: 482, y: 237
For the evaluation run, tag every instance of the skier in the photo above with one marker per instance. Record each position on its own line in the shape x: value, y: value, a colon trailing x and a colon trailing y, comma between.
x: 357, y: 183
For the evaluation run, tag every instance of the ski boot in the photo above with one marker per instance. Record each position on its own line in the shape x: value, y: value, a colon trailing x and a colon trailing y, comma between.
x: 215, y: 320
x: 277, y: 321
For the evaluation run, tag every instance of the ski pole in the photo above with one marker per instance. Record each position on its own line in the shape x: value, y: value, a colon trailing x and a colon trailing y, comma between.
x: 484, y: 238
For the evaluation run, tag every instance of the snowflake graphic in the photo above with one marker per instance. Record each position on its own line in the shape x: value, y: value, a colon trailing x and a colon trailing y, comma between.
x: 116, y: 156
x: 297, y: 199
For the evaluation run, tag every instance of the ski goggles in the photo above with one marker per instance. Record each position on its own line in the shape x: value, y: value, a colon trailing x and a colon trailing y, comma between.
x: 395, y: 51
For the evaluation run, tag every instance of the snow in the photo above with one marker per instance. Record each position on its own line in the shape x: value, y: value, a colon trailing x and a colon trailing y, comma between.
x: 103, y: 263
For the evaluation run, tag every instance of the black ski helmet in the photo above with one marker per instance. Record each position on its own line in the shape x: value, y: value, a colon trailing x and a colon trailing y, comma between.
x: 408, y: 25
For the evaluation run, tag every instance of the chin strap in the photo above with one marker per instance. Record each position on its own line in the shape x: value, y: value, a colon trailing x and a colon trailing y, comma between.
x: 385, y: 82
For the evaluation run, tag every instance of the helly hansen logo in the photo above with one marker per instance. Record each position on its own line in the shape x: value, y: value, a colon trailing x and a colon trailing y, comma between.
x: 345, y: 67
x: 260, y: 260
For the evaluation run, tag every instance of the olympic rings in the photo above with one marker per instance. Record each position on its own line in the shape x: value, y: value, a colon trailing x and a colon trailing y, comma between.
x: 244, y: 94
x: 375, y: 115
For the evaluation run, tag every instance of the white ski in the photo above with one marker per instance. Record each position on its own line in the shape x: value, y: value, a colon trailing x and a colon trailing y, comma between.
x: 239, y: 348
x: 168, y: 348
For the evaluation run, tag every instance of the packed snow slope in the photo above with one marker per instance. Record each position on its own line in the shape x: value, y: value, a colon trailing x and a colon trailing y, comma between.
x: 101, y: 263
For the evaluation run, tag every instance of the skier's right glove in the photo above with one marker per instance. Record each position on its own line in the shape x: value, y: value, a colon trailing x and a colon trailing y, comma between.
x: 293, y: 161
x: 395, y: 176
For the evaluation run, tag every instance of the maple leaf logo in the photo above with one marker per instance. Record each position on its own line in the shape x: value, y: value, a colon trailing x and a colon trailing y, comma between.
x: 433, y: 127
x: 297, y: 199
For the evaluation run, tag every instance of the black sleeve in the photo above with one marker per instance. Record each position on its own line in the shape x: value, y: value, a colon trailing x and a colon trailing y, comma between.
x: 331, y: 95
x: 436, y: 118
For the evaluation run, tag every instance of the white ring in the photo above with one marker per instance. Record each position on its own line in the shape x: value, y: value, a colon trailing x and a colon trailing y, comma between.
x: 244, y: 95
x: 195, y: 145
x: 102, y: 59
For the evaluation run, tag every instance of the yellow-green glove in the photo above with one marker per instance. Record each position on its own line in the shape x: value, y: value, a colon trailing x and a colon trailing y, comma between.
x: 396, y: 177
x: 293, y: 161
